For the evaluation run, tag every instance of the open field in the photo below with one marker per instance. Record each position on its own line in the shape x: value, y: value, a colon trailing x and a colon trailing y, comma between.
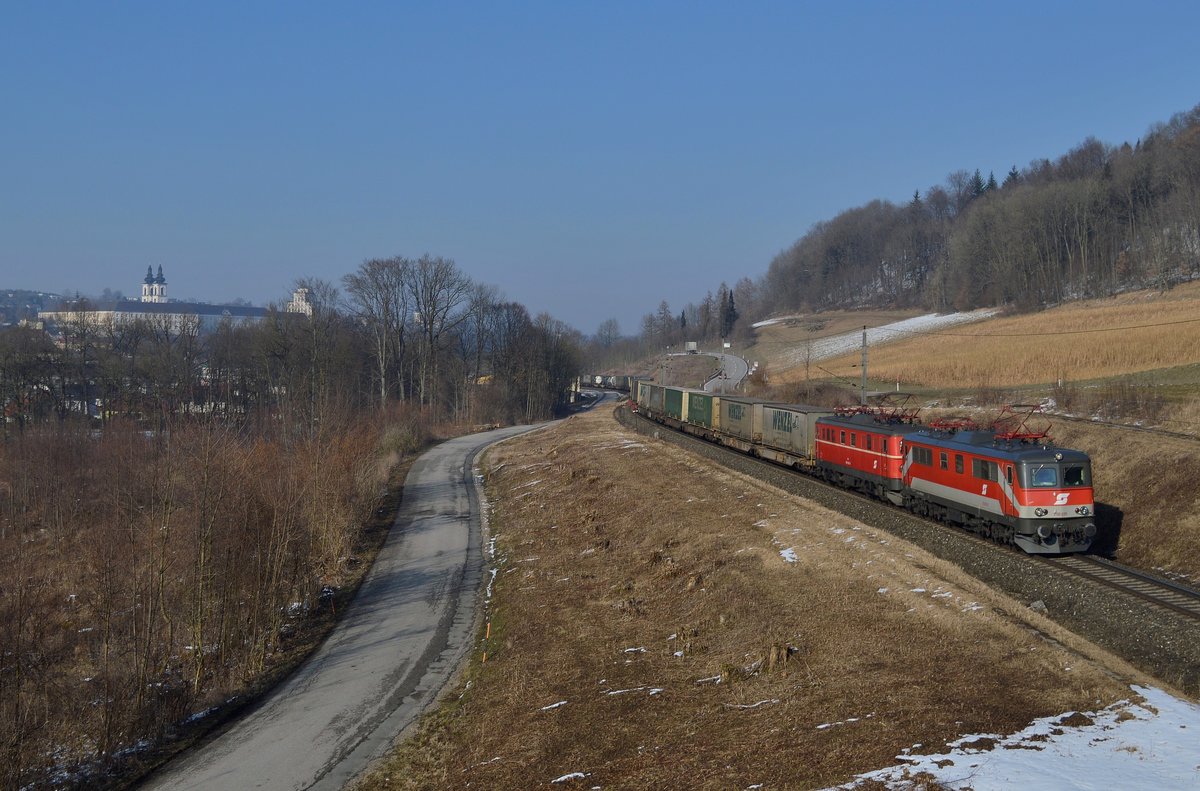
x: 658, y: 622
x: 1078, y: 342
x: 779, y: 344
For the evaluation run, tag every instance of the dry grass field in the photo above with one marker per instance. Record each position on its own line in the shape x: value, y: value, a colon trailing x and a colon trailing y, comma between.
x: 1077, y: 342
x: 684, y: 370
x: 659, y: 622
x: 773, y: 341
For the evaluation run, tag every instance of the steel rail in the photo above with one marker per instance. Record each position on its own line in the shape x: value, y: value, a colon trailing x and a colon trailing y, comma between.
x: 1132, y: 582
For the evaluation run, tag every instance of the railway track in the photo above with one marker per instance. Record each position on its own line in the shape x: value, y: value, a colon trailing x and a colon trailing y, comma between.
x: 1162, y: 432
x: 1148, y: 588
x: 1145, y: 587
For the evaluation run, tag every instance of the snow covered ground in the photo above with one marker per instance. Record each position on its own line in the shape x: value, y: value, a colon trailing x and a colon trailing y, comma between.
x: 1153, y: 743
x: 833, y: 346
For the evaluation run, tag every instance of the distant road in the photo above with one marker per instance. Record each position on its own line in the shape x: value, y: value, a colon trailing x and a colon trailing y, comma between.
x: 395, y: 647
x: 733, y: 370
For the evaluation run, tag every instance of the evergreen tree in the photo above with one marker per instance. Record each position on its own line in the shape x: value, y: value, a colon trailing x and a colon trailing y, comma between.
x: 978, y: 187
x: 1013, y: 178
x: 729, y: 313
x: 991, y: 182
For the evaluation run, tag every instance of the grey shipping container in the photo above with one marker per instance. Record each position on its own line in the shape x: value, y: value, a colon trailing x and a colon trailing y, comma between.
x: 741, y: 418
x: 792, y: 428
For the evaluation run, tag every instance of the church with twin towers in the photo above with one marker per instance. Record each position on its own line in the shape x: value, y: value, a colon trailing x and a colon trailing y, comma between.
x: 154, y: 306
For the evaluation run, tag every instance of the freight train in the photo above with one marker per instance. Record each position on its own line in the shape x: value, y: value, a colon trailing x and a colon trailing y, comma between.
x: 1007, y: 482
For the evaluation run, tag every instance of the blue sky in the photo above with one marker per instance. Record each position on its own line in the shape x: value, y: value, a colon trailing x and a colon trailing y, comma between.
x: 588, y: 159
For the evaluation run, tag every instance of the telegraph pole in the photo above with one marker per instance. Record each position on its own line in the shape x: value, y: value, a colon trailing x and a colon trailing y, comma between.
x: 863, y: 397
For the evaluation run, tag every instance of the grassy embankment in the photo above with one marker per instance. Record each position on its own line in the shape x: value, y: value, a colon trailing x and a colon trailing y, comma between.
x: 649, y: 631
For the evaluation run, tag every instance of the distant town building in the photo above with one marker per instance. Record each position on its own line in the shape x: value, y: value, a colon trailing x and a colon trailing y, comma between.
x: 300, y: 303
x: 155, y: 308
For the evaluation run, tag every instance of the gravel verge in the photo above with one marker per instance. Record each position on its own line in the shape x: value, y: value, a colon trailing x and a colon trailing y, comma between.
x: 1155, y: 640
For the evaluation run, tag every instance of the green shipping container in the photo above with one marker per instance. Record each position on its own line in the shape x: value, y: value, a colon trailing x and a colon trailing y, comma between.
x: 700, y: 409
x: 673, y: 402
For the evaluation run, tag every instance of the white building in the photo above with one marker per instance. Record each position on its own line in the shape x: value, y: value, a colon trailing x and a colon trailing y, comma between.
x: 155, y: 309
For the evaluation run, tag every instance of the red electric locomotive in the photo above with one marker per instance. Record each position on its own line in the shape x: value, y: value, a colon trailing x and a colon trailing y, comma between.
x: 1011, y: 485
x: 863, y: 448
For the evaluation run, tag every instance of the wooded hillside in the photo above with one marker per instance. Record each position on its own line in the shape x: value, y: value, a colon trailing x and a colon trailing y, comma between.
x: 1097, y: 220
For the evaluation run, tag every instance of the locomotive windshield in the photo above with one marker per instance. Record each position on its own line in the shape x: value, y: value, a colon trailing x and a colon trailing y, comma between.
x: 1049, y: 475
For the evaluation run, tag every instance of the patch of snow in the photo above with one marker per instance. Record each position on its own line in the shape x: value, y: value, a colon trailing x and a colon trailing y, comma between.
x: 623, y: 691
x: 571, y: 776
x: 553, y: 706
x: 638, y: 650
x: 789, y: 554
x: 1150, y: 744
x: 769, y: 322
x: 827, y: 725
x: 751, y: 705
x: 836, y: 345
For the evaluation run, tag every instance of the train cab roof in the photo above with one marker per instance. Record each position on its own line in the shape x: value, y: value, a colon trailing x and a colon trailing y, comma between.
x: 870, y: 422
x: 988, y: 443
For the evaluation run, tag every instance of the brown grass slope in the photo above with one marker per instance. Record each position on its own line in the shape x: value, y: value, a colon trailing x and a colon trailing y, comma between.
x: 646, y: 593
x: 1167, y: 335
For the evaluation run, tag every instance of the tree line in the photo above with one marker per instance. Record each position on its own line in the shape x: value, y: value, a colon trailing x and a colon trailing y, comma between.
x: 407, y: 330
x: 176, y: 504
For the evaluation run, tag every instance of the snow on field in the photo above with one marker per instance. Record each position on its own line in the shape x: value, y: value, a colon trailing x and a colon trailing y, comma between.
x: 1154, y: 743
x: 835, y: 345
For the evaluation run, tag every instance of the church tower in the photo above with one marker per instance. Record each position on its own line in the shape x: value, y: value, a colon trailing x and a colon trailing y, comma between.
x: 154, y: 288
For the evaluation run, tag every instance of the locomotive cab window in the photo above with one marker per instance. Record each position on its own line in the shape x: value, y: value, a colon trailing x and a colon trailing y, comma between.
x: 868, y: 442
x: 854, y: 439
x: 843, y: 437
x: 984, y: 470
x: 944, y: 463
x: 1043, y: 476
x: 1076, y: 475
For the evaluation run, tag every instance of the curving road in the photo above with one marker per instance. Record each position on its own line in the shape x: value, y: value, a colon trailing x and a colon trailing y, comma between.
x: 733, y: 370
x: 396, y: 646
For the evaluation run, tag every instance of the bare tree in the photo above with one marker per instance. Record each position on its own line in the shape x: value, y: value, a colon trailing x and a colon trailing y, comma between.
x: 439, y: 293
x: 379, y: 296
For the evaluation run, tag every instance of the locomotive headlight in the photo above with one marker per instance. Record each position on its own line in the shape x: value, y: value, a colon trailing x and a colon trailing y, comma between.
x: 1039, y: 511
x: 1083, y: 510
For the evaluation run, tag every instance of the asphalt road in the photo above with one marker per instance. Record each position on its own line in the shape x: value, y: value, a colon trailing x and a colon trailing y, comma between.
x: 733, y: 370
x: 396, y: 646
